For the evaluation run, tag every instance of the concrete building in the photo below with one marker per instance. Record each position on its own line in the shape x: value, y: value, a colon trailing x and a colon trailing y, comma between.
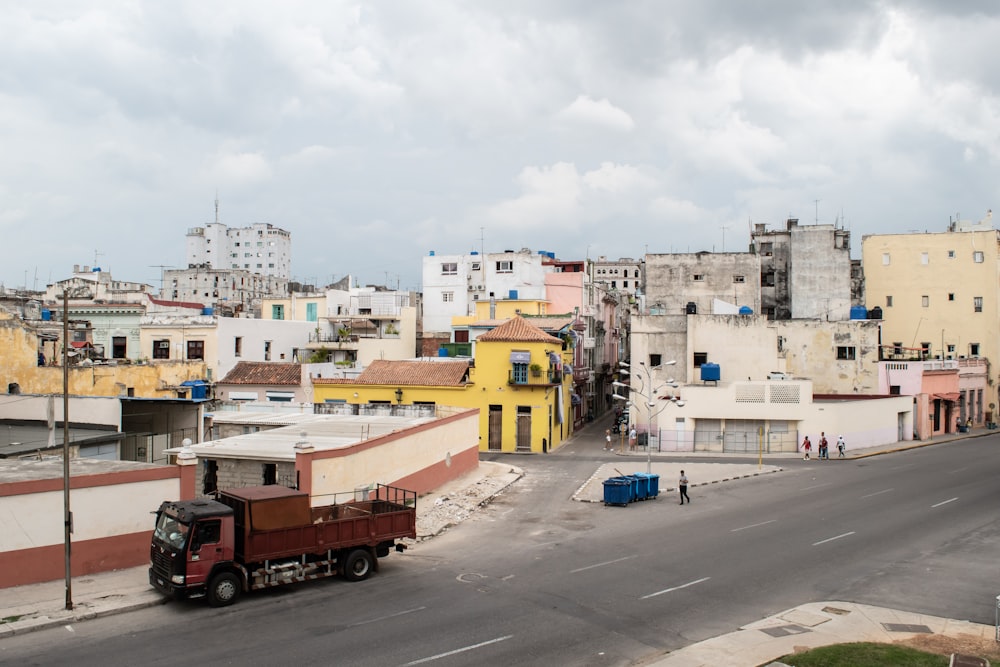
x: 452, y: 284
x: 261, y: 248
x: 938, y: 294
x: 805, y: 271
x: 692, y: 283
x: 234, y: 292
x: 624, y: 276
x: 266, y: 381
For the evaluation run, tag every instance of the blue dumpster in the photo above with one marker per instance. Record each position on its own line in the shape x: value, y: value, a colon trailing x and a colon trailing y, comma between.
x: 641, y: 486
x: 651, y: 483
x: 617, y: 491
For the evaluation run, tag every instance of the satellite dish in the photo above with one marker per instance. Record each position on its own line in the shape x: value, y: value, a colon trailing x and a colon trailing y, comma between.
x: 993, y: 406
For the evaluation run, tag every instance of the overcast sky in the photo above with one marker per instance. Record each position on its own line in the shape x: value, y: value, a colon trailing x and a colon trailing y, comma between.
x: 377, y: 132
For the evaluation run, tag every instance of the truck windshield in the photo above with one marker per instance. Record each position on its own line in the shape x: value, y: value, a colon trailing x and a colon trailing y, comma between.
x: 171, y: 531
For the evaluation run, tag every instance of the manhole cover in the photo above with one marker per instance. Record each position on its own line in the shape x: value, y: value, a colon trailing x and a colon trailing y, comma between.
x: 785, y: 630
x: 906, y: 627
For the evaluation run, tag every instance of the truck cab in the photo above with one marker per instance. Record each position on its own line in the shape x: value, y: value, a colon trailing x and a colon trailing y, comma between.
x: 190, y: 539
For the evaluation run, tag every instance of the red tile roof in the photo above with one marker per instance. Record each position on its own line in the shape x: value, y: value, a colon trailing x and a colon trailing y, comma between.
x: 427, y: 373
x: 264, y: 372
x: 518, y: 330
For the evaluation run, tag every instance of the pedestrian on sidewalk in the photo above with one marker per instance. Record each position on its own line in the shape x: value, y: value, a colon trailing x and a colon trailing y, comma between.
x: 806, y: 447
x: 824, y: 447
x: 607, y: 440
x: 632, y: 438
x: 682, y: 486
x: 841, y: 446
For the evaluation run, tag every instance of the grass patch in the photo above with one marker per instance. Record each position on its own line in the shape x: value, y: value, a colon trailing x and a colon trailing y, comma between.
x: 10, y: 619
x: 865, y: 654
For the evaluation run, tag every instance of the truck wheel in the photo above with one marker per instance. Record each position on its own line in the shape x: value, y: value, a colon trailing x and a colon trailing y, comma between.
x: 358, y: 565
x: 224, y: 590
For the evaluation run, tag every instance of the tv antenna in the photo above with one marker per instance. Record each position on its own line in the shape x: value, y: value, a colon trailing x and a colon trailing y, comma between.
x: 161, y: 267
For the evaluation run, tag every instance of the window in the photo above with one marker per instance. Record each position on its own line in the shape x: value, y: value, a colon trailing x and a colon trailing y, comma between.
x: 698, y: 277
x: 277, y: 312
x: 475, y: 266
x: 767, y: 248
x: 636, y: 273
x: 238, y: 346
x: 767, y: 279
x: 925, y: 301
x: 519, y: 373
x: 449, y: 269
x: 505, y: 266
x: 951, y: 350
x: 700, y: 358
x: 973, y: 349
x: 885, y: 259
x: 447, y: 297
x: 614, y: 284
x: 925, y: 350
x: 888, y: 302
x: 655, y: 360
x: 118, y: 347
x: 270, y: 476
x: 897, y: 349
x: 161, y: 349
x: 894, y: 390
x: 210, y: 483
x: 311, y: 314
x: 267, y: 350
x: 951, y: 296
x: 977, y: 257
x: 845, y: 352
x: 624, y: 284
x: 977, y: 304
x: 739, y: 279
x: 925, y: 258
x: 196, y: 349
x: 951, y: 254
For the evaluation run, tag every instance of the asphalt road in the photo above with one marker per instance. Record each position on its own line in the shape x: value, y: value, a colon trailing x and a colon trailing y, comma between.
x: 537, y: 577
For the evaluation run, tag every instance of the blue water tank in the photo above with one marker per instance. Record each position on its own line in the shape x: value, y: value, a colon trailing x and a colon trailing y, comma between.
x: 746, y: 310
x: 512, y: 294
x: 710, y: 372
x: 432, y: 253
x: 442, y: 352
x: 208, y: 311
x: 859, y: 313
x: 46, y: 315
x: 199, y: 388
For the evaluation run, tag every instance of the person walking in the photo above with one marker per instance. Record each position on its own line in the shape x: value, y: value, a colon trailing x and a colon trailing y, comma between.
x: 607, y: 440
x: 632, y: 438
x: 824, y: 447
x: 841, y: 446
x: 682, y: 486
x: 806, y: 447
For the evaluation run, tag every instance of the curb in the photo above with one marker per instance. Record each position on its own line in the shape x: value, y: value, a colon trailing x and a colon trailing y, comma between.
x: 28, y: 625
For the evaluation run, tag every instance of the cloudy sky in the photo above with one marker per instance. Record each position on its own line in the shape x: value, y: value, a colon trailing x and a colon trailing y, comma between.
x: 377, y: 132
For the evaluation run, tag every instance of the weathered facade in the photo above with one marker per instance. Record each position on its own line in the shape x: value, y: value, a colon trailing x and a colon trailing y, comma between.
x: 691, y: 282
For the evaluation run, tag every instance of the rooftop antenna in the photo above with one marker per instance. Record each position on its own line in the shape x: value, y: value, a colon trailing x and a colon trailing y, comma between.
x: 216, y: 207
x: 816, y: 201
x: 724, y: 228
x: 161, y: 267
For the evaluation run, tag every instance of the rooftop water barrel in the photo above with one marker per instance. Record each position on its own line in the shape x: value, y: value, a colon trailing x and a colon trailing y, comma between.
x: 207, y: 311
x: 432, y: 253
x: 710, y: 372
x: 512, y: 294
x: 746, y: 310
x: 442, y: 352
x: 859, y: 313
x: 46, y: 315
x: 875, y: 313
x: 691, y: 308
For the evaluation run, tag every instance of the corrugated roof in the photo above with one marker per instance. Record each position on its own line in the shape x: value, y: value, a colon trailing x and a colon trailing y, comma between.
x: 428, y: 373
x: 518, y: 330
x: 265, y: 373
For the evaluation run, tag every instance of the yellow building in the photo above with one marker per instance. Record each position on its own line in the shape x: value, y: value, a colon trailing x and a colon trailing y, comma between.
x: 938, y: 293
x: 517, y: 378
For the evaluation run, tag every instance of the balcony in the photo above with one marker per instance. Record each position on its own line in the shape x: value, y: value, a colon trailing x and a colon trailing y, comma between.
x: 542, y: 379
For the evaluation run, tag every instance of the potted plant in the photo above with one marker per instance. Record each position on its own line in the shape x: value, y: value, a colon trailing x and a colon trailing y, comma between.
x: 536, y: 370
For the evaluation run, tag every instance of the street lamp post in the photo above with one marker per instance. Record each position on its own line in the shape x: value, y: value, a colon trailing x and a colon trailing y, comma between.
x: 648, y: 392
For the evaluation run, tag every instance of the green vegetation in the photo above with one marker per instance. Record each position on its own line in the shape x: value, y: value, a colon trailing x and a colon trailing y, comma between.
x: 10, y: 619
x: 865, y: 654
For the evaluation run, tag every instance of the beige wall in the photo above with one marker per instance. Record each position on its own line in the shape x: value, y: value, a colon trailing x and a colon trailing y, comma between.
x: 396, y: 458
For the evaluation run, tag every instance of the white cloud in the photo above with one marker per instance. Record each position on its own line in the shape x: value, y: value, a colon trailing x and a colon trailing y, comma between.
x: 597, y: 112
x: 237, y: 170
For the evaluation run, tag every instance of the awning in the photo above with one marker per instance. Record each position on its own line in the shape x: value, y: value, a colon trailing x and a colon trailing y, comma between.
x: 951, y: 397
x: 520, y: 357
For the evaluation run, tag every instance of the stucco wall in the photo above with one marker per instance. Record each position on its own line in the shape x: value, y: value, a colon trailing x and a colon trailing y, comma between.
x: 396, y: 457
x: 671, y: 283
x: 111, y: 523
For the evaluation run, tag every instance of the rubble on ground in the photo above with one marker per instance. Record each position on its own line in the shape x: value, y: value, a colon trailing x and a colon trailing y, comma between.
x: 438, y: 512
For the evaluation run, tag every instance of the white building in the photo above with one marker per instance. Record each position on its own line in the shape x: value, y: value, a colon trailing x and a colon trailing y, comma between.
x: 452, y: 284
x: 260, y: 248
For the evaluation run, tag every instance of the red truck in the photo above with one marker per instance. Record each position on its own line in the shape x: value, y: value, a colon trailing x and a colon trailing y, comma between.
x: 263, y: 536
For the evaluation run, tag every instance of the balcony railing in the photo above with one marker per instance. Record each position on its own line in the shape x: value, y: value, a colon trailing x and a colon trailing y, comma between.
x: 542, y: 379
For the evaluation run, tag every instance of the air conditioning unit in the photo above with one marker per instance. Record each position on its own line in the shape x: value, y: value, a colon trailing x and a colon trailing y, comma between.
x: 163, y: 343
